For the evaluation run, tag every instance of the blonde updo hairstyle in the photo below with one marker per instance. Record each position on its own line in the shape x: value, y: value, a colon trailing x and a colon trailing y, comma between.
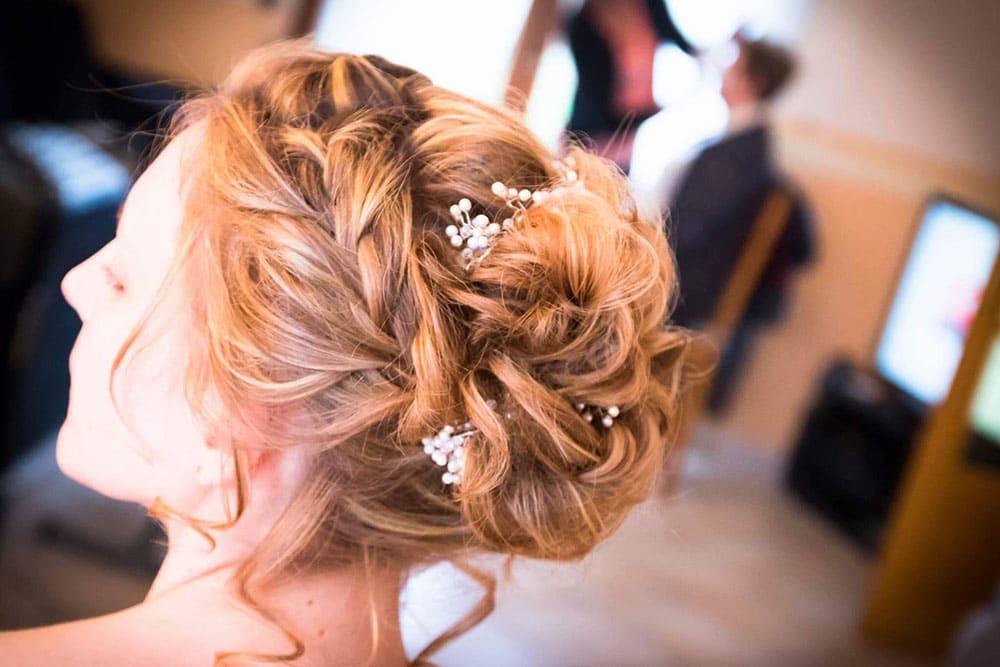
x: 334, y: 317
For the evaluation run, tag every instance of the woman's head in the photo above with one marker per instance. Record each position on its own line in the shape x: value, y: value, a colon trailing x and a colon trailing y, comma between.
x: 331, y: 316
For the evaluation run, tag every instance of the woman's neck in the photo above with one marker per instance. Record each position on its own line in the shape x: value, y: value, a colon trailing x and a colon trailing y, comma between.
x: 344, y: 616
x: 272, y: 482
x: 191, y: 556
x: 334, y: 613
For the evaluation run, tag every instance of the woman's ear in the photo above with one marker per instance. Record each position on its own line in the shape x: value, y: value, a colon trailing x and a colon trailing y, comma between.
x: 260, y: 467
x: 225, y: 456
x: 279, y: 470
x: 216, y: 465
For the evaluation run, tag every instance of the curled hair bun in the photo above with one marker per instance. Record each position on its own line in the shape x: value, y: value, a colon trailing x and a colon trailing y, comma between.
x: 567, y: 309
x: 339, y: 320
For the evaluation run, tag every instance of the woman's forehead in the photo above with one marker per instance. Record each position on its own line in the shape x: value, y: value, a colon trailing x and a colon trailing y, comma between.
x: 151, y: 216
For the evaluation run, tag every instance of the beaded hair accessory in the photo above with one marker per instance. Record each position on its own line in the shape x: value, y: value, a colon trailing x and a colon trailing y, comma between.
x: 447, y: 449
x: 478, y: 233
x: 606, y: 416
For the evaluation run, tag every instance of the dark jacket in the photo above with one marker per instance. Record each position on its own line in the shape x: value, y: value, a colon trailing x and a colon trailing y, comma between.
x: 710, y: 219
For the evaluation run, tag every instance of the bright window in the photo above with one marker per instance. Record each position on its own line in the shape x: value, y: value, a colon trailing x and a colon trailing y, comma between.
x: 464, y: 46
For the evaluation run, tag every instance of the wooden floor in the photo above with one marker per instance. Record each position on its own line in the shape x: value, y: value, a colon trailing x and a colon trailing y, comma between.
x: 728, y: 571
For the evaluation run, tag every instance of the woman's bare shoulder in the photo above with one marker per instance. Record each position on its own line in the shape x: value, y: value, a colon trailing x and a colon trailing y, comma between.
x: 140, y: 636
x: 174, y: 631
x: 189, y: 628
x: 104, y: 638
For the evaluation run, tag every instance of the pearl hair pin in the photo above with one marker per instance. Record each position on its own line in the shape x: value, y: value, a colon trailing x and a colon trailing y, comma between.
x: 478, y: 233
x: 606, y: 416
x: 447, y: 449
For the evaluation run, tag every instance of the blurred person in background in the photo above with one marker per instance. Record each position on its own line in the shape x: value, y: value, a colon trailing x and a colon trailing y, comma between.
x: 614, y: 45
x: 717, y: 198
x: 294, y: 358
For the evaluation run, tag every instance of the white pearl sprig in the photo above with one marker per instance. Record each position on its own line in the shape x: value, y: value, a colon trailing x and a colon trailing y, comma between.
x: 475, y: 233
x: 606, y: 416
x: 447, y: 449
x: 478, y: 233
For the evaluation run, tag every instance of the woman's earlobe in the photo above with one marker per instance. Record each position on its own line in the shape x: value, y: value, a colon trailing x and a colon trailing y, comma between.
x: 215, y: 468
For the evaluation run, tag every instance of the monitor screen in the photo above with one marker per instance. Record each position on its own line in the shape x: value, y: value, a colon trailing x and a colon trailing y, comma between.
x: 985, y: 409
x: 937, y: 299
x: 984, y: 412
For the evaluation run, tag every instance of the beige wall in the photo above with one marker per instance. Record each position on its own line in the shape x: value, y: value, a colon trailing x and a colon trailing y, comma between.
x: 191, y: 40
x: 918, y: 74
x: 866, y: 197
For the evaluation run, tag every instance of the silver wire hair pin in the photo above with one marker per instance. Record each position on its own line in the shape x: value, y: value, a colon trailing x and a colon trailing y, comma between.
x: 478, y: 233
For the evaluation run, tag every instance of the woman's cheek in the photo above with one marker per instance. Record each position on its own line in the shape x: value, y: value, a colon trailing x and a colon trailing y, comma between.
x: 94, y: 445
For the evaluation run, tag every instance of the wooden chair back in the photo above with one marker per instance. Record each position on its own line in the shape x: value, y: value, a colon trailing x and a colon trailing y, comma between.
x: 765, y: 233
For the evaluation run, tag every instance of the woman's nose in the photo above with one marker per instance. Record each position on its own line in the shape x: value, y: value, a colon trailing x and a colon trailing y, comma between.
x: 71, y: 288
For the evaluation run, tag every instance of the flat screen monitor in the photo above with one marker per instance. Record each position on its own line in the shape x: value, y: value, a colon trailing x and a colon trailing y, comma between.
x: 937, y: 298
